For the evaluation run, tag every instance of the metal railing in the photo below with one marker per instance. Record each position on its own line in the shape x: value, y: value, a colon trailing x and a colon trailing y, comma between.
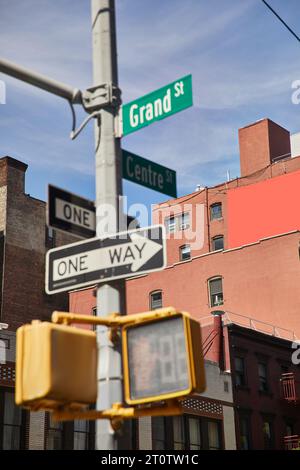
x: 290, y: 387
x: 259, y: 325
x: 253, y: 324
x: 291, y: 442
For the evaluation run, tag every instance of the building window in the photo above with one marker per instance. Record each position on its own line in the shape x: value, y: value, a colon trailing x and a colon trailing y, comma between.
x: 240, y: 373
x: 289, y: 429
x: 194, y: 433
x: 178, y: 222
x: 184, y: 221
x: 170, y: 224
x: 263, y: 377
x: 214, y: 435
x: 12, y: 419
x: 156, y: 300
x: 185, y: 252
x: 3, y: 349
x: 81, y: 435
x: 215, y: 291
x: 54, y: 434
x: 179, y: 433
x: 216, y: 211
x: 268, y: 434
x: 217, y: 243
x: 158, y: 433
x: 245, y: 432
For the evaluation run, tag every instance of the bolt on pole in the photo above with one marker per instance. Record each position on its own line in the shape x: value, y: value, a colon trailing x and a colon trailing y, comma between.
x: 110, y: 297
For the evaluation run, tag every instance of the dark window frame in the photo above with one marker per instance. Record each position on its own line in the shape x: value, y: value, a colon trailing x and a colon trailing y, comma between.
x: 212, y: 208
x: 184, y: 225
x: 155, y: 440
x: 89, y: 436
x: 214, y: 239
x: 49, y: 428
x: 204, y: 436
x: 211, y: 294
x: 180, y: 252
x: 158, y: 291
x: 271, y: 444
x: 184, y: 432
x: 242, y: 375
x: 264, y: 385
x: 22, y: 426
x: 67, y: 434
x: 178, y: 222
x: 167, y: 223
x: 247, y: 417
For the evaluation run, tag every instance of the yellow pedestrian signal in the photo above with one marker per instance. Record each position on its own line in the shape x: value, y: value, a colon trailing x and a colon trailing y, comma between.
x: 162, y: 358
x: 56, y: 365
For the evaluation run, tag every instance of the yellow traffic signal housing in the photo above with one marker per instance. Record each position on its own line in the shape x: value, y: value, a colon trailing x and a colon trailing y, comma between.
x: 162, y: 359
x: 56, y: 365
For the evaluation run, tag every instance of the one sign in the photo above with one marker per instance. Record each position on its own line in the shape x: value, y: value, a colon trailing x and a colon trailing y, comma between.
x: 162, y: 359
x: 71, y: 213
x: 142, y: 171
x: 157, y: 105
x: 121, y: 255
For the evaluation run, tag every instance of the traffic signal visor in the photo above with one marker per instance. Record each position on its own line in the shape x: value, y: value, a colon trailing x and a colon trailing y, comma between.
x: 162, y: 359
x: 56, y: 365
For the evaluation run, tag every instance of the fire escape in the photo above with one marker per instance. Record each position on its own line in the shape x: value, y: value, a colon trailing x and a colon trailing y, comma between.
x: 290, y: 390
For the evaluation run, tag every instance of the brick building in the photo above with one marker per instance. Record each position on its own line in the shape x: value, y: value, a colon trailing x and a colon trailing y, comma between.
x: 260, y: 362
x: 235, y: 246
x: 24, y: 240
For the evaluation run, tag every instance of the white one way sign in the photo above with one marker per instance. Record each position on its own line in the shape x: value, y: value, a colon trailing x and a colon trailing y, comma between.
x: 122, y: 255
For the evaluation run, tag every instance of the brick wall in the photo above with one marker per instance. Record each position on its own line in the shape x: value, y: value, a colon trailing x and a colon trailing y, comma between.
x: 23, y: 220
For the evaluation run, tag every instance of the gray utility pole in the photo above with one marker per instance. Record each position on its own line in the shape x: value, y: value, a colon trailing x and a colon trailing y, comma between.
x: 110, y: 297
x: 103, y: 102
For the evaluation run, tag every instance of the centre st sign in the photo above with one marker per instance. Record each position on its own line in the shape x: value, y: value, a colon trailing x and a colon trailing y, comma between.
x: 157, y: 105
x: 122, y: 255
x: 149, y: 174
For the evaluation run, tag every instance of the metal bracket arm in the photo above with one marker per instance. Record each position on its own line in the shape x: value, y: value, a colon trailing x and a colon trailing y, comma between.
x: 114, y: 320
x: 41, y: 81
x: 118, y: 413
x: 101, y: 96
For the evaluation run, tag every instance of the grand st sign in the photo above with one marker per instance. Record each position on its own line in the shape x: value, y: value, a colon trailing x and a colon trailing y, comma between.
x: 157, y: 105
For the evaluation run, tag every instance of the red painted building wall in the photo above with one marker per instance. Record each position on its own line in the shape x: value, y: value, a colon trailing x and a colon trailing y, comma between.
x: 264, y: 209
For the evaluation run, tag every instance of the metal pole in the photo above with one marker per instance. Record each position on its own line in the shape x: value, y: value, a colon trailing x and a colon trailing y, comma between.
x: 40, y: 81
x: 110, y: 297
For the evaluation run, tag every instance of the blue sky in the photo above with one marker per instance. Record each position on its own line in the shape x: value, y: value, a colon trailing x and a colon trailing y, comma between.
x: 243, y: 62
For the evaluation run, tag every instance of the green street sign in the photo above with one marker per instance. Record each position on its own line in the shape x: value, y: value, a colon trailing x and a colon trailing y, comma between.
x: 142, y: 171
x: 157, y: 105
